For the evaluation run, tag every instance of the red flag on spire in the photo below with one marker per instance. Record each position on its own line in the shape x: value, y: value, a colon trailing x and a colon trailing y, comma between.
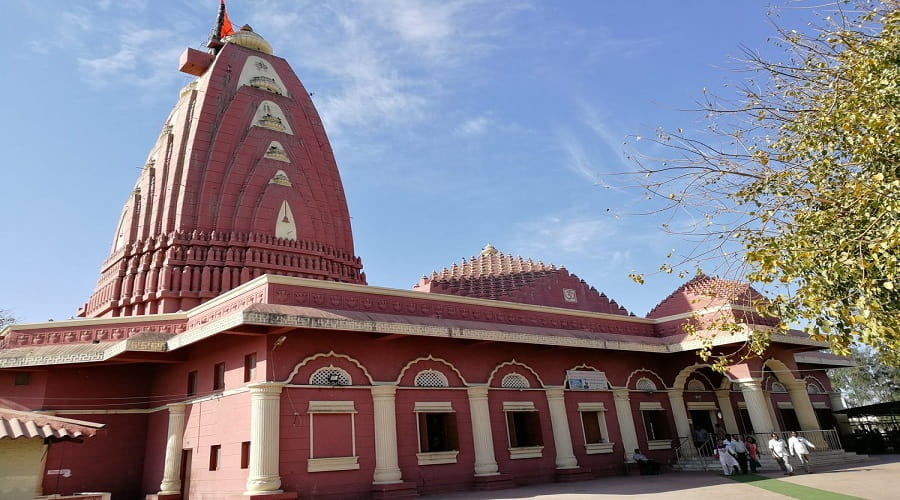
x: 225, y: 27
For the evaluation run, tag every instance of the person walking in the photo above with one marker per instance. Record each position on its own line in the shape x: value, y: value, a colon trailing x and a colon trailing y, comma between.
x: 799, y: 446
x: 779, y: 450
x: 740, y: 452
x: 726, y: 458
x: 753, y: 453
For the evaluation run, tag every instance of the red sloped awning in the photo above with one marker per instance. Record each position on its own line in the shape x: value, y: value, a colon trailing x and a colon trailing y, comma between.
x: 16, y: 424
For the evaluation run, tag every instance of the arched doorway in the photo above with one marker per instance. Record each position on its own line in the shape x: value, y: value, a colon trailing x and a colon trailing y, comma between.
x: 702, y: 406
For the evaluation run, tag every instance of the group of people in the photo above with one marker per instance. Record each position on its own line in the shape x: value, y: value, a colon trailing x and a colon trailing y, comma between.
x: 738, y: 455
x: 796, y: 446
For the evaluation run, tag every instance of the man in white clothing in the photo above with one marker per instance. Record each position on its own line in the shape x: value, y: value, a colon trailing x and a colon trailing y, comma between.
x: 780, y: 452
x: 726, y: 458
x: 799, y: 446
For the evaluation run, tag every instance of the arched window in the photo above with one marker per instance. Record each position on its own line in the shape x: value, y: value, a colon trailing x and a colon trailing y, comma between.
x: 695, y: 385
x: 645, y: 384
x: 330, y: 375
x: 431, y: 378
x: 514, y: 381
x: 812, y: 388
x: 778, y: 387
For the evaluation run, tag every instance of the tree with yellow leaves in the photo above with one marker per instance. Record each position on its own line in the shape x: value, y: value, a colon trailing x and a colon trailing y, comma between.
x: 798, y: 182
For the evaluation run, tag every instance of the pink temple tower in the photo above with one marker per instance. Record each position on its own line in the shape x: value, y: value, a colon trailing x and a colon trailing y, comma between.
x: 241, y: 182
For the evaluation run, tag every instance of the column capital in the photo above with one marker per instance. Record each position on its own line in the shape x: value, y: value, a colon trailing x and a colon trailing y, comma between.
x: 676, y: 394
x: 555, y: 392
x: 176, y: 407
x: 266, y: 387
x: 749, y: 384
x: 622, y: 394
x: 477, y: 391
x: 383, y: 391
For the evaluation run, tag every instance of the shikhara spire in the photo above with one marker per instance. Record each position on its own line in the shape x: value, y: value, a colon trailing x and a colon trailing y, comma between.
x: 241, y: 182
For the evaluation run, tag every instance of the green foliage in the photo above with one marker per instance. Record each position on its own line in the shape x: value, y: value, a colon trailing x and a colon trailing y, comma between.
x: 869, y: 382
x: 802, y: 177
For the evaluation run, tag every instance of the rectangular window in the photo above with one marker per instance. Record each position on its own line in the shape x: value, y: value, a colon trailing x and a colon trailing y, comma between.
x: 332, y: 436
x: 245, y: 454
x: 437, y: 432
x: 192, y: 383
x: 592, y: 431
x: 593, y: 424
x: 656, y: 425
x: 219, y: 377
x: 249, y: 367
x: 524, y: 429
x: 23, y: 378
x: 215, y: 456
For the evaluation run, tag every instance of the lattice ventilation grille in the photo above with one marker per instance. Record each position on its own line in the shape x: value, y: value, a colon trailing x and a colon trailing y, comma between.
x: 330, y: 376
x: 813, y: 389
x: 514, y: 381
x: 431, y: 378
x: 778, y: 387
x: 645, y: 384
x: 694, y: 385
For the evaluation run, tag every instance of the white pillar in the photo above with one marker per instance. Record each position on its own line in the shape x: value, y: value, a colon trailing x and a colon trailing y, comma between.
x: 559, y: 421
x: 842, y: 421
x: 171, y: 481
x: 723, y: 396
x: 626, y: 422
x: 803, y: 407
x: 485, y: 463
x: 757, y: 406
x: 387, y: 467
x: 679, y: 412
x: 265, y: 408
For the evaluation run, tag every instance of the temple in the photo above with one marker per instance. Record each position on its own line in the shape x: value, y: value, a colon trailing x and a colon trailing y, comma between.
x: 232, y: 347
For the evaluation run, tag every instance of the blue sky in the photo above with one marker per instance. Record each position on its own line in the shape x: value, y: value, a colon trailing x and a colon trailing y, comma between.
x: 454, y: 123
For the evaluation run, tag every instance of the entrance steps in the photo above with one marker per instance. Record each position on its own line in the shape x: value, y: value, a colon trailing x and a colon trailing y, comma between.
x: 818, y: 459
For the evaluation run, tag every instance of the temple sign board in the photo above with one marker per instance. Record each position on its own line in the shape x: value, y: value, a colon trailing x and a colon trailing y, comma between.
x: 590, y: 380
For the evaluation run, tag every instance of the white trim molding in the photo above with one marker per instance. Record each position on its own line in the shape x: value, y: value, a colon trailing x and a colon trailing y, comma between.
x: 437, y: 457
x: 332, y: 464
x: 521, y: 452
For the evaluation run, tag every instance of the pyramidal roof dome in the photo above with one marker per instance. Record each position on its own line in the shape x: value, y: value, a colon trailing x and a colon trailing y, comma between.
x: 497, y: 276
x: 705, y: 292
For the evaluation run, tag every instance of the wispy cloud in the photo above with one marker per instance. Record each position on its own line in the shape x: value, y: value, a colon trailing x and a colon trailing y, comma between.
x: 383, y: 62
x: 577, y: 160
x: 601, y: 128
x: 142, y: 57
x: 623, y: 47
x: 474, y: 126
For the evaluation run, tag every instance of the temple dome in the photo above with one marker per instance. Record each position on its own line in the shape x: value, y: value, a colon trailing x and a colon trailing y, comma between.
x: 248, y: 38
x: 497, y: 276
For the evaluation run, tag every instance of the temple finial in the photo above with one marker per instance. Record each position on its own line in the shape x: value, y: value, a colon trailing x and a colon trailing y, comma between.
x: 489, y: 250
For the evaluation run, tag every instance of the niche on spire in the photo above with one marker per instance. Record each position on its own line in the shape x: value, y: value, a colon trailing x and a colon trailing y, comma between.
x: 281, y: 179
x: 275, y: 151
x: 284, y: 225
x: 259, y: 74
x: 269, y: 115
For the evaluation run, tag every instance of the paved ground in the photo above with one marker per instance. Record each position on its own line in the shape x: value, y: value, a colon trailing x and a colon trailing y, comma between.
x: 878, y: 478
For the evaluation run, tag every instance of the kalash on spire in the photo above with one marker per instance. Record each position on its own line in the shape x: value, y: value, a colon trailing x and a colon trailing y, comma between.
x: 241, y: 182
